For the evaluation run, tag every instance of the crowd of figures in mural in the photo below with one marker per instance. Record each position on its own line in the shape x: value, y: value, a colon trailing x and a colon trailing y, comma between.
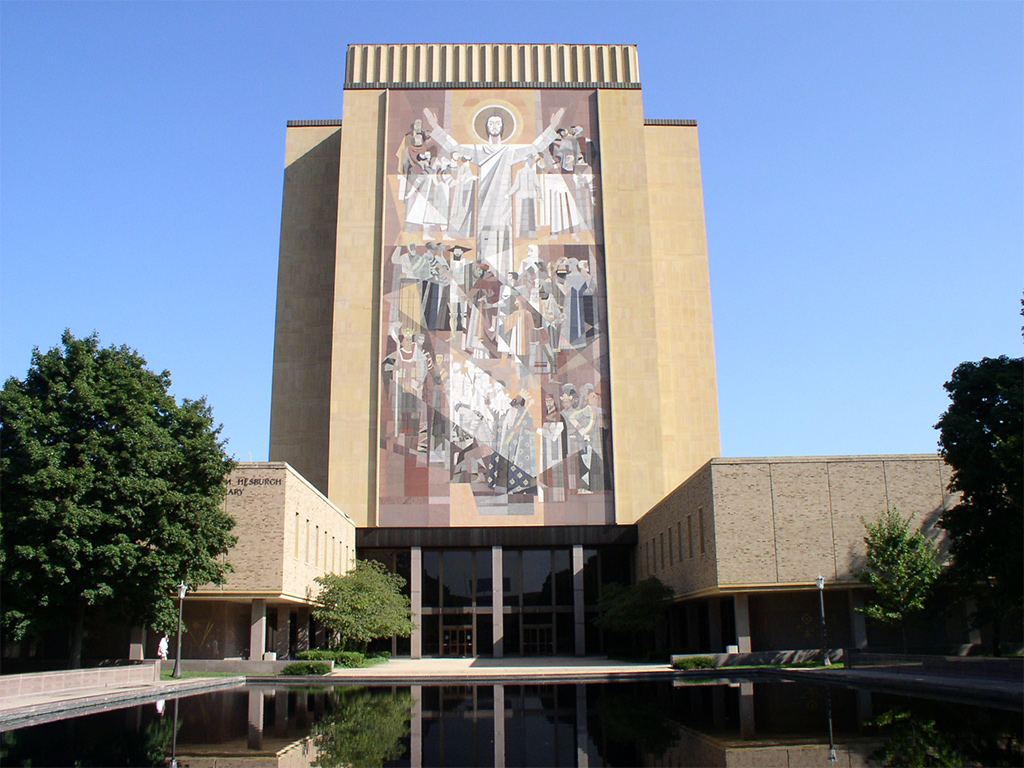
x: 493, y: 367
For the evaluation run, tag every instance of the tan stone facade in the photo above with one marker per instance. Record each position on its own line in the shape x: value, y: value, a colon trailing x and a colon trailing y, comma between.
x: 288, y: 534
x: 327, y: 396
x: 758, y: 532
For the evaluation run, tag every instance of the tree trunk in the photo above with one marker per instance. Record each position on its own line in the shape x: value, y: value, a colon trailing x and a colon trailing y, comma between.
x: 77, y: 632
x: 997, y: 634
x: 903, y: 630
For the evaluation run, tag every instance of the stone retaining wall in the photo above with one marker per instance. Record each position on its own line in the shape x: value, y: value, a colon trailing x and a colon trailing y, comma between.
x: 42, y: 682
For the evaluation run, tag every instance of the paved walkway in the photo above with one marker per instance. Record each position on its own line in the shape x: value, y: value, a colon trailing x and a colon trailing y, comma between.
x: 29, y: 708
x: 533, y: 668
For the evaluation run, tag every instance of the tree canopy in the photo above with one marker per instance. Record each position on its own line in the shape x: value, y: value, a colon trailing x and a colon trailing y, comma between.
x: 112, y: 492
x: 633, y: 611
x: 901, y: 568
x: 982, y: 440
x: 363, y: 605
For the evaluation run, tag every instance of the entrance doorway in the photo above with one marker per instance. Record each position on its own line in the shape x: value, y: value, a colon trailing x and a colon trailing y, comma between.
x: 457, y: 641
x: 538, y: 641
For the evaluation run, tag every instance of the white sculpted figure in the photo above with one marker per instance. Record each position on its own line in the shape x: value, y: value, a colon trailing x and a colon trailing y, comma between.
x: 495, y: 161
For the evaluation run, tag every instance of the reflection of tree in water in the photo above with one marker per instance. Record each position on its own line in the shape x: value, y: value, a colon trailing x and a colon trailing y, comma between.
x: 634, y: 719
x: 987, y: 737
x: 365, y: 728
x: 90, y: 740
x: 913, y: 741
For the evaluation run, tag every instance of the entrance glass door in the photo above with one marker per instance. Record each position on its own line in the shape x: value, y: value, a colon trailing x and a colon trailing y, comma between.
x: 457, y: 641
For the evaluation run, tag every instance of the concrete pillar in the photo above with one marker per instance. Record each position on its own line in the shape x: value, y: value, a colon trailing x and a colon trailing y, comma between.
x: 257, y: 629
x: 280, y: 713
x: 137, y: 644
x: 255, y: 733
x: 498, y: 602
x: 283, y: 630
x: 416, y: 728
x: 499, y: 726
x: 692, y: 628
x: 715, y: 624
x: 747, y: 731
x: 741, y: 610
x: 416, y: 600
x: 582, y: 737
x: 858, y: 625
x: 718, y: 705
x: 579, y: 619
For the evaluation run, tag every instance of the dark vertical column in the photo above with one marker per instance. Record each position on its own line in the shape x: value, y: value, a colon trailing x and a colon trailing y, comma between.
x: 747, y: 730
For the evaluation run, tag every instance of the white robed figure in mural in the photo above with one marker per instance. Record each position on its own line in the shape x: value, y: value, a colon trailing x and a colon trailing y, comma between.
x: 495, y: 162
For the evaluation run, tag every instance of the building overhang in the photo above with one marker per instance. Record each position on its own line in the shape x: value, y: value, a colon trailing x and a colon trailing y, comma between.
x: 503, y: 536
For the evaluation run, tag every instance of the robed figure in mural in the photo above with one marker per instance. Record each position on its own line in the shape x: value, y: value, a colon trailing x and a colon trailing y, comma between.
x: 495, y: 161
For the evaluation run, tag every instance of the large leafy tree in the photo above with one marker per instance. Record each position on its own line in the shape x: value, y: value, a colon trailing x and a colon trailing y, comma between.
x: 982, y: 440
x: 633, y: 612
x: 112, y: 493
x: 901, y: 568
x: 363, y: 605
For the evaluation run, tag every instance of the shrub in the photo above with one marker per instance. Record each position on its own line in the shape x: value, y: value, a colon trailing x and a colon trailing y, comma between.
x: 317, y: 655
x: 306, y: 668
x: 694, y: 662
x: 351, y: 659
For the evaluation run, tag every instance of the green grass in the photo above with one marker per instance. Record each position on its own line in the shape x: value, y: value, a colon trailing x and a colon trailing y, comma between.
x: 194, y: 673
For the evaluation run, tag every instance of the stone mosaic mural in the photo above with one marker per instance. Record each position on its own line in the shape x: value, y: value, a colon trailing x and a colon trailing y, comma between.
x: 494, y: 402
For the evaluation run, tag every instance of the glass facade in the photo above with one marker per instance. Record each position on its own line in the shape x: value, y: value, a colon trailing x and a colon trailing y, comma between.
x: 536, y: 602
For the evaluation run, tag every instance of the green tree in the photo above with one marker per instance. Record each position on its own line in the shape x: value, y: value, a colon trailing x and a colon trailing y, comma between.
x: 633, y: 611
x: 901, y: 568
x: 982, y: 440
x: 363, y: 605
x: 112, y: 493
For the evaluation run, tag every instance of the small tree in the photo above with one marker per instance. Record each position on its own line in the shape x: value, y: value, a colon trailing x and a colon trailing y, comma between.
x: 634, y: 610
x: 901, y: 567
x: 112, y: 493
x: 363, y: 605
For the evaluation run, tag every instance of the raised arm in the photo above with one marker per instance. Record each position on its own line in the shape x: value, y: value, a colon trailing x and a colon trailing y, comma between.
x: 441, y: 136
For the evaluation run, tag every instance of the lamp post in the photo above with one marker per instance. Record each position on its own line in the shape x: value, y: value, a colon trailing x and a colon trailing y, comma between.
x: 182, y: 589
x: 820, y: 581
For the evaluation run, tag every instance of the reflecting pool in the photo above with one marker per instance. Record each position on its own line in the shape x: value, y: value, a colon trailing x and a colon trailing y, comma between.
x: 651, y: 723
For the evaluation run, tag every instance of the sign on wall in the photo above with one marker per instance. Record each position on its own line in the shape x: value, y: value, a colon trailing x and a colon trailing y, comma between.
x: 494, y: 401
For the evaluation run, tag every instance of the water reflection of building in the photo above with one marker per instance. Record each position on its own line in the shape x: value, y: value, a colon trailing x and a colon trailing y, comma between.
x: 494, y: 352
x: 654, y: 724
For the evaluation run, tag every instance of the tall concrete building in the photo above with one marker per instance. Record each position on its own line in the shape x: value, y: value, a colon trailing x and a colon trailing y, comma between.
x: 494, y: 353
x: 494, y: 345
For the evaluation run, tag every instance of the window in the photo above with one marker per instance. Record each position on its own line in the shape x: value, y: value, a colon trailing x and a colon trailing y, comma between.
x: 700, y: 525
x: 298, y: 530
x: 307, y: 540
x: 689, y: 532
x: 679, y: 538
x: 316, y: 547
x: 670, y: 561
x: 661, y: 542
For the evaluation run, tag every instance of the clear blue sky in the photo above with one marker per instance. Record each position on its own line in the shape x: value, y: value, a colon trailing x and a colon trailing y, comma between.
x: 863, y: 176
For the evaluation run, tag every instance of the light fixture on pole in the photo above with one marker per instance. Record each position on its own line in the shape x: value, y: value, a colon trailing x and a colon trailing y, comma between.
x: 820, y: 581
x: 182, y: 589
